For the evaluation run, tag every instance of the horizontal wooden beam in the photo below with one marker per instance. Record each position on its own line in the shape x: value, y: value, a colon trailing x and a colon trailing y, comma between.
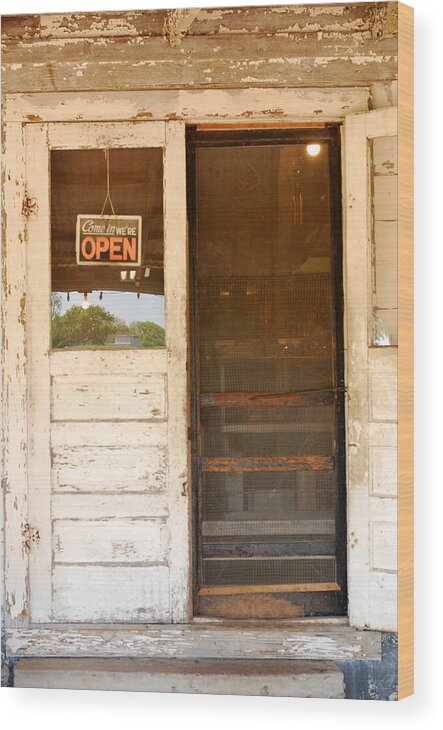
x: 268, y: 400
x: 280, y: 19
x: 240, y: 52
x: 262, y: 125
x: 191, y: 105
x: 266, y: 463
x: 283, y: 588
x: 298, y: 639
x: 146, y: 75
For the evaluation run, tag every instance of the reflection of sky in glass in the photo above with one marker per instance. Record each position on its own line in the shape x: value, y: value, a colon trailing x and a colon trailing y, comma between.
x: 124, y: 305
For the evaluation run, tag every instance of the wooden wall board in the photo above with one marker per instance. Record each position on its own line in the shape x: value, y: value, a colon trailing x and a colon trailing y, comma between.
x: 279, y: 19
x: 242, y: 62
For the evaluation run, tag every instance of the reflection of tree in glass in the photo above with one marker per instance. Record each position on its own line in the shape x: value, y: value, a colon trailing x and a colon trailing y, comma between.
x: 56, y: 304
x: 79, y: 326
x: 95, y: 327
x: 150, y: 334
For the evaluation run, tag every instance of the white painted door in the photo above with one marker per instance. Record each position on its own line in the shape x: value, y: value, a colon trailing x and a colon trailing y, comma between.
x: 370, y: 243
x: 107, y: 441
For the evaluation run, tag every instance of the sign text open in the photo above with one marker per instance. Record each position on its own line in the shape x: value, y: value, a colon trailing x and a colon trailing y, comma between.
x: 109, y: 240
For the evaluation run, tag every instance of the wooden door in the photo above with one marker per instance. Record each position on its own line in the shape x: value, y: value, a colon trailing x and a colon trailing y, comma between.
x: 268, y: 444
x: 107, y: 454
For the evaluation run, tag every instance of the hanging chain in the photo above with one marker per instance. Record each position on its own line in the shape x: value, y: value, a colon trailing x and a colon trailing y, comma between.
x: 108, y: 194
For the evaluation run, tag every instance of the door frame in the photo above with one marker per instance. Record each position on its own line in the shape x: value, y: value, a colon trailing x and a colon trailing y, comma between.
x: 250, y: 106
x: 372, y: 592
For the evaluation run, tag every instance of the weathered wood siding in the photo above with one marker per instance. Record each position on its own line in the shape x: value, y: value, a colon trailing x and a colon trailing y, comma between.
x: 281, y: 46
x: 371, y: 381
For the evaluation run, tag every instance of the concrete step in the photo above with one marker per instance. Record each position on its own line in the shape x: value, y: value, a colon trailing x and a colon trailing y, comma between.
x: 277, y: 678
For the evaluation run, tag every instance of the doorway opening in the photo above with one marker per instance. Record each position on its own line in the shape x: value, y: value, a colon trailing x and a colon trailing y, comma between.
x: 267, y: 373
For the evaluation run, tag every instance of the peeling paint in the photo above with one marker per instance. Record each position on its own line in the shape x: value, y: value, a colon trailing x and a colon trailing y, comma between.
x: 22, y: 313
x: 384, y: 20
x: 29, y: 206
x: 31, y: 537
x: 177, y: 24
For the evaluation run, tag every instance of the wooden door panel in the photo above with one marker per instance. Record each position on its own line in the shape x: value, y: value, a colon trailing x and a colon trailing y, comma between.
x: 107, y: 427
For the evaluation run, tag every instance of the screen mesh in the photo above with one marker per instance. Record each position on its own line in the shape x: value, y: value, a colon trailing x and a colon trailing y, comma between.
x: 265, y: 366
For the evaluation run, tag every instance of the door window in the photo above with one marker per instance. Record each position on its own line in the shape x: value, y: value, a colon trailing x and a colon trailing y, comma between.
x: 107, y: 248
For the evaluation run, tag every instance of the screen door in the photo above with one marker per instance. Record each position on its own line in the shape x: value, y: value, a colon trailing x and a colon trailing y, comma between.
x: 267, y: 376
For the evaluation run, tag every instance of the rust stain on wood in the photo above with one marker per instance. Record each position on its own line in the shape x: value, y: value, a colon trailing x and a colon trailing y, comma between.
x: 247, y: 400
x: 266, y: 463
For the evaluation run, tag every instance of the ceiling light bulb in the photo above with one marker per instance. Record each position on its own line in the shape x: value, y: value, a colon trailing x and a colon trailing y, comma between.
x: 313, y: 149
x: 85, y: 303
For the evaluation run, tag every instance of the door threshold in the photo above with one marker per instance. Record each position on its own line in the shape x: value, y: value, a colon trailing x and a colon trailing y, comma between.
x: 323, y: 638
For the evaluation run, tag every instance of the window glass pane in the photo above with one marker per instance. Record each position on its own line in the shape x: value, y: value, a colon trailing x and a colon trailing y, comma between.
x: 384, y: 241
x: 107, y: 288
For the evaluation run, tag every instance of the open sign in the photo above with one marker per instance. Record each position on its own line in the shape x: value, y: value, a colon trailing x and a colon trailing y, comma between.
x: 109, y: 240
